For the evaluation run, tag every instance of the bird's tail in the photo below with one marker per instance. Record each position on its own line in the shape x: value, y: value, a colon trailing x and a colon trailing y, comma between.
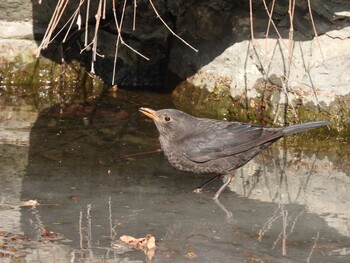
x: 304, y: 126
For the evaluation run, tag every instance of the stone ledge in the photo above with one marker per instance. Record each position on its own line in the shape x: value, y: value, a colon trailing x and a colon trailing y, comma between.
x: 16, y: 30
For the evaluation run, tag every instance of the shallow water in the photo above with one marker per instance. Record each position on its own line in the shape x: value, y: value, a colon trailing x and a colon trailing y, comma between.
x: 96, y: 172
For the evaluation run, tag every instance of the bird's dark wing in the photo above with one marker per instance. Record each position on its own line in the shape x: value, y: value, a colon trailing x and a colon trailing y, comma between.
x: 213, y: 139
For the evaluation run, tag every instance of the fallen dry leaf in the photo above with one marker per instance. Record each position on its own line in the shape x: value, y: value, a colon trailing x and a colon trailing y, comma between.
x: 150, y: 241
x: 147, y: 244
x: 75, y: 197
x: 140, y: 243
x: 166, y: 203
x: 191, y: 255
x: 131, y: 240
x: 30, y: 203
x: 49, y: 234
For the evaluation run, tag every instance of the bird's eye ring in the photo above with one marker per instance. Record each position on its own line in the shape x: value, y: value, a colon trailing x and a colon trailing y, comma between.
x: 167, y: 118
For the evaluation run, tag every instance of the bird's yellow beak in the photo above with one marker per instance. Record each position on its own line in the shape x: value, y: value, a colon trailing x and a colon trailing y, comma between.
x: 150, y: 113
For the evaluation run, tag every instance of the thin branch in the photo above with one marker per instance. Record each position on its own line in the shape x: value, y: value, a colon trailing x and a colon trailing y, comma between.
x: 139, y: 154
x: 104, y: 9
x: 291, y: 32
x: 251, y: 20
x: 171, y: 31
x: 94, y: 45
x: 57, y: 14
x: 134, y: 18
x: 314, y: 27
x: 101, y: 13
x: 285, y: 82
x: 269, y: 13
x: 120, y: 39
x: 59, y: 32
x: 72, y: 20
x: 98, y: 19
x: 87, y: 23
x: 134, y: 50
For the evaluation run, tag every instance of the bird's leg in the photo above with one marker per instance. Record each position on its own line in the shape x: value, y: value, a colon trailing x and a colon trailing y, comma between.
x: 200, y: 188
x: 229, y: 179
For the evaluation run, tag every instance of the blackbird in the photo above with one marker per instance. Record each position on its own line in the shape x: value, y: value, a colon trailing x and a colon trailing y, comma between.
x: 202, y: 145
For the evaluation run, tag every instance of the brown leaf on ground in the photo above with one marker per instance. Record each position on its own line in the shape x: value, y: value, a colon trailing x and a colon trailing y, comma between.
x: 30, y: 203
x: 147, y: 244
x: 191, y: 255
x: 49, y: 234
x: 75, y: 197
x: 166, y: 203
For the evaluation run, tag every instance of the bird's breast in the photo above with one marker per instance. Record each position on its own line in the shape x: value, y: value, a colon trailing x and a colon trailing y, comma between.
x: 178, y: 160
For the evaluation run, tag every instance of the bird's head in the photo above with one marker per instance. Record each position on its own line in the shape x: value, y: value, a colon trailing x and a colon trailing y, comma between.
x: 170, y: 122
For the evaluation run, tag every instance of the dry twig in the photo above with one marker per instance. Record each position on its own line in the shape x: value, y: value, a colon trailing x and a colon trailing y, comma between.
x: 251, y: 20
x: 171, y: 31
x: 314, y: 27
x: 101, y: 13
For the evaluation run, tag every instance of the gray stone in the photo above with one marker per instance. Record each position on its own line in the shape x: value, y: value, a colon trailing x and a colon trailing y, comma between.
x: 220, y: 30
x: 327, y: 75
x: 16, y: 10
x: 16, y: 30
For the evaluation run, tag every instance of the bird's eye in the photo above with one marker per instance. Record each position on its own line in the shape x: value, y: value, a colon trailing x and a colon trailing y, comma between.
x: 167, y: 118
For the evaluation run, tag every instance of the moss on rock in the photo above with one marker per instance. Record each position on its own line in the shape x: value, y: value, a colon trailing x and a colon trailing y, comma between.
x: 49, y: 81
x: 268, y: 107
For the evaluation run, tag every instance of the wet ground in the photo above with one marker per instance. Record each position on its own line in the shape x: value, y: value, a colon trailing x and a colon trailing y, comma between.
x: 96, y: 172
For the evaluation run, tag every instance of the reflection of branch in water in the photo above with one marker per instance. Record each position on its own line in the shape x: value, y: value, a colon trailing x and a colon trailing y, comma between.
x: 280, y: 212
x: 276, y: 178
x: 81, y: 229
x: 273, y: 198
x: 280, y: 167
x: 313, y: 247
x: 284, y: 213
x: 295, y: 220
x: 285, y: 224
x: 283, y: 234
x: 268, y: 224
x: 112, y: 228
x: 310, y: 172
x: 252, y: 186
x: 283, y: 175
x: 85, y: 234
x: 89, y: 233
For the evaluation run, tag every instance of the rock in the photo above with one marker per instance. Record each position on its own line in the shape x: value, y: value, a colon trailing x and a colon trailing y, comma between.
x: 16, y: 30
x: 253, y: 73
x: 318, y: 78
